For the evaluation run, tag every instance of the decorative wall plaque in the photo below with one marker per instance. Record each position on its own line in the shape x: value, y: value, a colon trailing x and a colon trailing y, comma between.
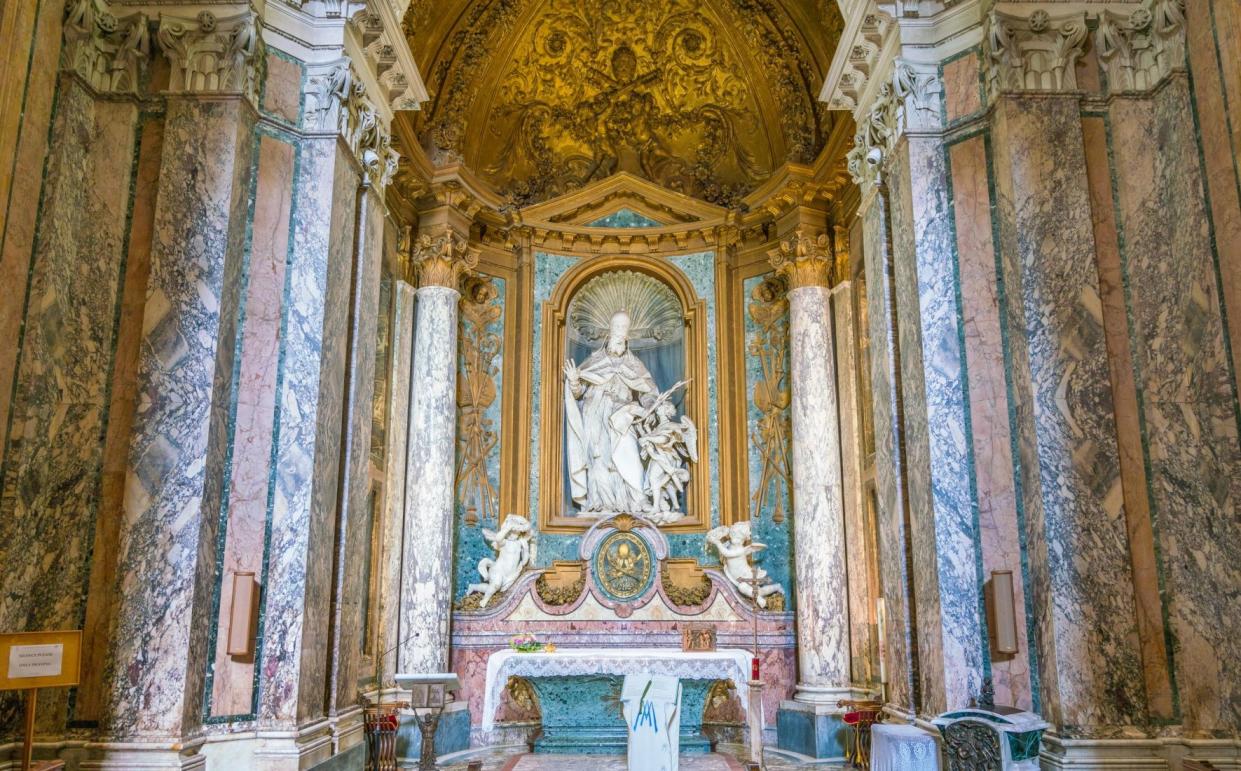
x: 624, y: 565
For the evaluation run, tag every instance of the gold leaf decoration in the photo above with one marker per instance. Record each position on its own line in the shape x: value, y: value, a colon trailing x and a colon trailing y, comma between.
x: 477, y: 435
x: 541, y: 97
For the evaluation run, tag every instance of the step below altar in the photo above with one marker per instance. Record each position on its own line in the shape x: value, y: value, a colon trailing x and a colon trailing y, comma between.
x: 623, y: 607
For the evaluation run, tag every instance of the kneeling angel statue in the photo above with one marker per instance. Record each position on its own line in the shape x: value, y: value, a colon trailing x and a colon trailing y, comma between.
x: 514, y: 546
x: 735, y: 547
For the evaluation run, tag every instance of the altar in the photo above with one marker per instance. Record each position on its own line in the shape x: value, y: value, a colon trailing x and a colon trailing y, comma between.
x: 579, y: 691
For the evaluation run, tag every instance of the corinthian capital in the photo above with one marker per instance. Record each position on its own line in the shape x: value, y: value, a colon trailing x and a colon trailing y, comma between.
x: 110, y: 53
x: 804, y: 260
x: 1038, y: 52
x: 441, y: 260
x: 209, y: 54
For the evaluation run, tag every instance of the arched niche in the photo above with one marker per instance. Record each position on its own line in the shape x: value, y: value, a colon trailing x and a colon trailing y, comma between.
x: 556, y: 512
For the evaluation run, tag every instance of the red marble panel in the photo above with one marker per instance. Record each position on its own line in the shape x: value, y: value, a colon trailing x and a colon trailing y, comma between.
x: 988, y: 392
x: 256, y: 391
x: 962, y: 95
x: 282, y: 91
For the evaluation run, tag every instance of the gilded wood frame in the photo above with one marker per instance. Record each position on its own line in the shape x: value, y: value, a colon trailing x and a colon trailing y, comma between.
x: 551, y: 446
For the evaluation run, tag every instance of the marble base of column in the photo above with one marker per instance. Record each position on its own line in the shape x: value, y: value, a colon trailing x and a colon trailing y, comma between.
x: 141, y: 756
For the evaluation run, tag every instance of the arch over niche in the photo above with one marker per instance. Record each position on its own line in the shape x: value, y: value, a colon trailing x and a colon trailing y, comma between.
x: 554, y: 510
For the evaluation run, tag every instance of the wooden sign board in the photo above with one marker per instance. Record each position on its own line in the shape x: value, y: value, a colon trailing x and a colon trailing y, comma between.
x: 40, y: 659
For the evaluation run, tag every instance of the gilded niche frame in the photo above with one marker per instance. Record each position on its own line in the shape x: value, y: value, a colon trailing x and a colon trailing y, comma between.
x: 552, y: 506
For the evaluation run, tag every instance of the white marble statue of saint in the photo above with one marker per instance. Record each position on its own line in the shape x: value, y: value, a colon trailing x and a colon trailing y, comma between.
x: 605, y: 397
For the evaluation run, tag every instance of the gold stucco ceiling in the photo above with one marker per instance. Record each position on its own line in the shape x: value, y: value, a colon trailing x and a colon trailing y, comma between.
x: 540, y: 97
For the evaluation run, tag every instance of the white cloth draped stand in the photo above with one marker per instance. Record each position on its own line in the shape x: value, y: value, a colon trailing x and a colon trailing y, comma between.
x: 895, y: 747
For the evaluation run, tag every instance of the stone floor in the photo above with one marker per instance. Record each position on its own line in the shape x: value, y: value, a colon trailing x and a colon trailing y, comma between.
x: 515, y: 759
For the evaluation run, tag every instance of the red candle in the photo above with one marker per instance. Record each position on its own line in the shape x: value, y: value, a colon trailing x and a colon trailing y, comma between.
x: 754, y: 668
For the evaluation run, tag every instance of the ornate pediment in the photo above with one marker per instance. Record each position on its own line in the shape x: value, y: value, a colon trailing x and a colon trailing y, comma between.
x: 622, y: 192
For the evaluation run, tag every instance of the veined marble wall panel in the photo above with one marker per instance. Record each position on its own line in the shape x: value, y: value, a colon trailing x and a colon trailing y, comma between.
x: 1079, y: 559
x: 100, y: 600
x: 548, y: 269
x: 167, y: 546
x: 700, y: 269
x: 1130, y: 440
x: 769, y: 433
x: 897, y: 640
x: 479, y: 443
x: 1188, y: 394
x: 858, y: 541
x: 1213, y: 32
x: 1000, y: 520
x: 402, y: 358
x: 953, y: 654
x: 27, y: 116
x: 294, y: 644
x: 356, y: 518
x: 244, y: 510
x: 50, y: 487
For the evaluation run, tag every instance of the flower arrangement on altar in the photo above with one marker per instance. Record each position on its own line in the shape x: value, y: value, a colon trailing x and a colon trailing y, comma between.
x: 528, y: 643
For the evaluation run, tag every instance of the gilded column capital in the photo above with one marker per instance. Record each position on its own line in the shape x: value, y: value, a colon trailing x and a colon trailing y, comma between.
x: 441, y: 260
x: 804, y: 260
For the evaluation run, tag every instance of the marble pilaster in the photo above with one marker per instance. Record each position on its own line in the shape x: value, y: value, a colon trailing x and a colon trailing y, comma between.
x: 352, y: 530
x: 818, y: 514
x: 1188, y: 398
x: 167, y: 541
x: 50, y: 480
x: 897, y: 637
x: 295, y: 644
x: 943, y: 523
x: 1064, y: 421
x: 426, y: 582
x: 401, y: 359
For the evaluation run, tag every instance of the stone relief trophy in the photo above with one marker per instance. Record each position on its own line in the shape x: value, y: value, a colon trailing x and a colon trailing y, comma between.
x: 626, y: 451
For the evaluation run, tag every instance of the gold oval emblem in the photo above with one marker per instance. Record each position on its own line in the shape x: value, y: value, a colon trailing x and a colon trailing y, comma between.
x: 623, y: 565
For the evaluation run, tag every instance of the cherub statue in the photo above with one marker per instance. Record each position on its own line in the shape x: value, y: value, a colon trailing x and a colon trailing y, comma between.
x: 666, y: 446
x: 514, y: 547
x: 735, y: 547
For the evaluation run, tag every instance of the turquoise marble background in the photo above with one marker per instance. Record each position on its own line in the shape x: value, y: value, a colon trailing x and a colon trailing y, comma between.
x: 625, y: 218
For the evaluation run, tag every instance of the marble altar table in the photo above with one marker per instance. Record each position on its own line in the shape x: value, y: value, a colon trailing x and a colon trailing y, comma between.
x: 579, y: 691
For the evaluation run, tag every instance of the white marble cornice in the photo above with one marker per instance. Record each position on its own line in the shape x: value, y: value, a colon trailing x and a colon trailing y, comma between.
x: 368, y: 32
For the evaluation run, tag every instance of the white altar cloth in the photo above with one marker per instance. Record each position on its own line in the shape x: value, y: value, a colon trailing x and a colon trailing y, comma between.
x: 730, y: 664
